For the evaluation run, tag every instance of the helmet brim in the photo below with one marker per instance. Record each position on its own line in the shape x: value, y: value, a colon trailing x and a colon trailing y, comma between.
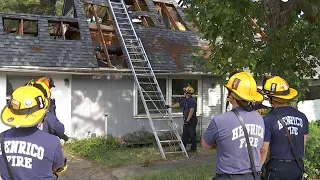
x: 292, y: 94
x: 23, y: 121
x: 251, y: 98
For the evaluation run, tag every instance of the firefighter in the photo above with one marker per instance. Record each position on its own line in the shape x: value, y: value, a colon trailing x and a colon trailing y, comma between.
x: 190, y: 119
x: 30, y: 152
x: 48, y: 81
x: 224, y: 132
x: 282, y: 163
x: 51, y: 124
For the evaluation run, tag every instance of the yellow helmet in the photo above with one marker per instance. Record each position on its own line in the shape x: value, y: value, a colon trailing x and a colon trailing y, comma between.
x: 41, y: 86
x: 188, y: 90
x: 26, y: 108
x: 276, y: 86
x: 244, y: 86
x: 47, y: 80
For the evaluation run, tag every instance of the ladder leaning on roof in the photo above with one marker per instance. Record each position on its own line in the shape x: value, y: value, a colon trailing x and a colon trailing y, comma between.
x: 146, y: 81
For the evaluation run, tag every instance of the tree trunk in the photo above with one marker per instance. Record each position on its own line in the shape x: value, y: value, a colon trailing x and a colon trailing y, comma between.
x: 311, y: 11
x: 277, y: 14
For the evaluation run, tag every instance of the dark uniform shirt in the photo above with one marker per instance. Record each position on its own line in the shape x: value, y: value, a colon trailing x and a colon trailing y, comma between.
x: 298, y: 126
x: 187, y: 104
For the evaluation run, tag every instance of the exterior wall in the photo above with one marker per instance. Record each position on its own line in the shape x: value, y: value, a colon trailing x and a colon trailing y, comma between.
x: 105, y: 105
x: 3, y: 89
x: 62, y: 94
x: 215, y: 107
x: 102, y: 105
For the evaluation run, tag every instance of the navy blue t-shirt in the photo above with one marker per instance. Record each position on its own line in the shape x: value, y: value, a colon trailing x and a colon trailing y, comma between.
x: 298, y: 126
x: 187, y: 104
x: 31, y: 153
x: 57, y: 128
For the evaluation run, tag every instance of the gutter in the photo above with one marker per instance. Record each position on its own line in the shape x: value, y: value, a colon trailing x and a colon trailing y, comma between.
x: 87, y: 71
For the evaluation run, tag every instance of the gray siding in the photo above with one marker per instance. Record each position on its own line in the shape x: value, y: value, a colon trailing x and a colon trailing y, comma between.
x: 96, y: 98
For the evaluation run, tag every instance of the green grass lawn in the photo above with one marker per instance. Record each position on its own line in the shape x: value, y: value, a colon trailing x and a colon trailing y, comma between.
x: 203, y: 172
x: 112, y: 155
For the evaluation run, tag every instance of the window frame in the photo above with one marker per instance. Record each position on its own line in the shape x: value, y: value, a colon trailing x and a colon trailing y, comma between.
x: 168, y: 95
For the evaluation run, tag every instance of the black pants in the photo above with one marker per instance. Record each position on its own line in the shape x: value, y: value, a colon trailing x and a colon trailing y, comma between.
x: 189, y: 131
x: 277, y: 170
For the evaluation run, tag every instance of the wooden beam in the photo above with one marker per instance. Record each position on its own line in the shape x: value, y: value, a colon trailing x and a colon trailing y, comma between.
x: 61, y: 31
x: 172, y: 21
x: 101, y: 36
x: 144, y: 19
x: 21, y: 27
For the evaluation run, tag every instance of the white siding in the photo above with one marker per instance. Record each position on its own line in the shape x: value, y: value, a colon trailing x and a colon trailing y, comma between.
x: 62, y: 94
x: 210, y: 111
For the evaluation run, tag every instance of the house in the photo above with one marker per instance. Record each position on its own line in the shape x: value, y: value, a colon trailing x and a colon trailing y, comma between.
x: 95, y: 92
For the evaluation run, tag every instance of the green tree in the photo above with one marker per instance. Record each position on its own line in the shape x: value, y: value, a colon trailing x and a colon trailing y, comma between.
x: 266, y: 36
x: 41, y: 7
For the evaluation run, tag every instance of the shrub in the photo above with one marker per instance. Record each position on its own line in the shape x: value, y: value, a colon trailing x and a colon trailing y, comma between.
x: 142, y: 137
x: 93, y: 147
x: 312, y: 160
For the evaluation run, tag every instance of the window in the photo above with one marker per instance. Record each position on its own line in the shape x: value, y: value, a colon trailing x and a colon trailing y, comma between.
x: 20, y: 27
x: 64, y: 30
x: 172, y: 90
x: 153, y: 96
x: 177, y: 91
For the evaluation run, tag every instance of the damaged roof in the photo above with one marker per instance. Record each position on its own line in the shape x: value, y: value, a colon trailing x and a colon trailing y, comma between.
x: 167, y: 50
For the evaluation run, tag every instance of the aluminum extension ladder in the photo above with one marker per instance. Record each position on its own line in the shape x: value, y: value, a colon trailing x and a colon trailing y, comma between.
x: 146, y: 81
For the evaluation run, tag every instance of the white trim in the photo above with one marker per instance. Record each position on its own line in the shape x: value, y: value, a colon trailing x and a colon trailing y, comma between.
x: 135, y: 99
x: 135, y: 96
x: 168, y: 95
x: 200, y: 94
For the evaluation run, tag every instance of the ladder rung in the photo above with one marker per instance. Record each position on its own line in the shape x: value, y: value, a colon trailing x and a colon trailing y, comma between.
x: 118, y: 3
x: 132, y: 40
x: 169, y: 141
x: 121, y: 17
x: 157, y: 100
x: 147, y: 74
x: 117, y: 8
x: 134, y: 47
x: 141, y: 68
x: 164, y: 130
x: 126, y: 29
x: 138, y: 61
x: 135, y: 53
x: 122, y: 11
x: 124, y: 24
x: 131, y: 35
x: 174, y: 152
x: 146, y: 83
x: 150, y: 91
